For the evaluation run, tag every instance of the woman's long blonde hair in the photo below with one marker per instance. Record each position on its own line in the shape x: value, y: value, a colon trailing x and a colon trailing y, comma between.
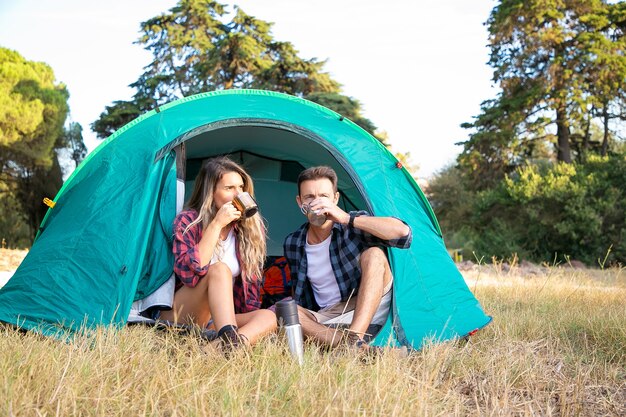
x: 250, y: 232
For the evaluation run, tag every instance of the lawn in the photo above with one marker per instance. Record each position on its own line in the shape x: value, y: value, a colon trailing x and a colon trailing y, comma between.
x: 557, y: 346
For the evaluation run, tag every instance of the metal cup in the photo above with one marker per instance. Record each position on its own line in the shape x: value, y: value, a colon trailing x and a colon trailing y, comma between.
x: 315, y: 218
x: 246, y: 205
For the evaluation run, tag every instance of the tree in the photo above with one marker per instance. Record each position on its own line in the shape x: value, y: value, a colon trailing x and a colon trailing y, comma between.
x: 607, y: 98
x: 555, y: 61
x: 73, y: 144
x: 195, y: 50
x: 544, y: 164
x: 33, y: 109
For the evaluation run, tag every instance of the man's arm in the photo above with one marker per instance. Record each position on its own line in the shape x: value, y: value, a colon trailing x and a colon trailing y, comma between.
x: 386, y: 228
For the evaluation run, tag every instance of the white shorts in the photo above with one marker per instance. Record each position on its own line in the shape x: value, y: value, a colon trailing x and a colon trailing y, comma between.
x: 342, y: 313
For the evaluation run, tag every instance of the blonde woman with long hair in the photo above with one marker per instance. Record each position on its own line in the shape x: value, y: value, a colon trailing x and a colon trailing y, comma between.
x: 219, y: 258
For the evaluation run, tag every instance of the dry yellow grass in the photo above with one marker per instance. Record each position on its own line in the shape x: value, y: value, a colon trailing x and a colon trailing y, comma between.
x: 10, y: 259
x: 556, y: 347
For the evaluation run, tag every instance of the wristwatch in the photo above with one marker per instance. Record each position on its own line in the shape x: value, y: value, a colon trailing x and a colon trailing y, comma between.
x: 352, y: 216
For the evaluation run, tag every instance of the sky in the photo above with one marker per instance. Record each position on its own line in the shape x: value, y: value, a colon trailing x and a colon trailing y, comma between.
x: 419, y: 68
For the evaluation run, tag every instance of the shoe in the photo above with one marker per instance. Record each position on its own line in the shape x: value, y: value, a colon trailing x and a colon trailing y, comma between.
x: 231, y: 340
x: 367, y: 352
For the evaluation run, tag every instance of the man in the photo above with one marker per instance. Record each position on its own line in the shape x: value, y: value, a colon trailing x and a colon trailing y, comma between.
x: 342, y: 275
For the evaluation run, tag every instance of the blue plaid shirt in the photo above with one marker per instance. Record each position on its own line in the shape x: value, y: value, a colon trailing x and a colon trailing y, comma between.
x: 346, y: 245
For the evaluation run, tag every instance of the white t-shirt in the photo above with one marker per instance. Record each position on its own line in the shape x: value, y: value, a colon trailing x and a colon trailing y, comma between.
x: 320, y: 273
x: 225, y: 251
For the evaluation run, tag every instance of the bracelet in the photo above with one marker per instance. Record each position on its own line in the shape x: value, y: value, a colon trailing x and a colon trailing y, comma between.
x: 352, y: 217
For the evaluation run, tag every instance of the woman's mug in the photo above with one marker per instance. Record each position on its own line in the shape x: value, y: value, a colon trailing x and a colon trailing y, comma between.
x: 246, y: 205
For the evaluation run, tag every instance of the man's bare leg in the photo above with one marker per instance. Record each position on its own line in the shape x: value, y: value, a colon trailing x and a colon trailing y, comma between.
x: 375, y: 275
x: 318, y: 332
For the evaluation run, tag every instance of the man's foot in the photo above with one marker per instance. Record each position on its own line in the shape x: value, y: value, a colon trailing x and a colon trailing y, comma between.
x: 367, y: 352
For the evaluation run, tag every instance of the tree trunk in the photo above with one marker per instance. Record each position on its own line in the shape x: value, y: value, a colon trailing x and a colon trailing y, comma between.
x: 605, y: 141
x: 585, y: 145
x: 562, y: 134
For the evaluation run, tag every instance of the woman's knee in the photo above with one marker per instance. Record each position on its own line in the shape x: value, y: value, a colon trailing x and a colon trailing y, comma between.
x: 219, y: 270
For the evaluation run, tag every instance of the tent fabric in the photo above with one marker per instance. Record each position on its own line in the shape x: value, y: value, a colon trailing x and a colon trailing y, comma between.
x: 107, y: 242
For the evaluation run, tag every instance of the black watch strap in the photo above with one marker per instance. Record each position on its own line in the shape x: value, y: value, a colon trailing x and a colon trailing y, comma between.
x: 352, y: 217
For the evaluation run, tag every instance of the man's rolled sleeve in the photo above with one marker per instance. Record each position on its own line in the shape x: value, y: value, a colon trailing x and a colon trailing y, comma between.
x: 370, y: 240
x: 403, y: 242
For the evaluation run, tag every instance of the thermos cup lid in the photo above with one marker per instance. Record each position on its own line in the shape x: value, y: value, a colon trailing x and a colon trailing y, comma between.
x: 287, y: 312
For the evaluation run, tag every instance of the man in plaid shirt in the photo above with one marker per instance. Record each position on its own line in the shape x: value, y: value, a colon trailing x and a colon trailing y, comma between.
x: 342, y: 275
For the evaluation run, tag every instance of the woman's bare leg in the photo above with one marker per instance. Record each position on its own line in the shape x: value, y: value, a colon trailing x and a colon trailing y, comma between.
x: 220, y: 295
x: 212, y: 297
x: 255, y: 324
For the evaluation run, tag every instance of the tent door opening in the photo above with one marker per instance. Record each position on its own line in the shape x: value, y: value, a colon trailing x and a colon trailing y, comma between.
x: 273, y: 155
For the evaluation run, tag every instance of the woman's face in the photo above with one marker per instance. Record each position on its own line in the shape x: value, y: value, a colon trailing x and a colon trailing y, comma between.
x: 227, y: 188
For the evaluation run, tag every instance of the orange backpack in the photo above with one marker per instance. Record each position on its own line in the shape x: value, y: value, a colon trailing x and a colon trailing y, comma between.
x: 277, y: 283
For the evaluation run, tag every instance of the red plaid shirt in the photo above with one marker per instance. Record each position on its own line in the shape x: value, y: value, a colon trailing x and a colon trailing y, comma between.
x: 189, y: 271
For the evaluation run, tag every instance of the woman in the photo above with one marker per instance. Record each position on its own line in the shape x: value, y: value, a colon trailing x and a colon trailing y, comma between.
x: 219, y: 257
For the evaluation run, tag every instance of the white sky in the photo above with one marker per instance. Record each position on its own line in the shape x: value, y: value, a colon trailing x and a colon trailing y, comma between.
x: 418, y: 67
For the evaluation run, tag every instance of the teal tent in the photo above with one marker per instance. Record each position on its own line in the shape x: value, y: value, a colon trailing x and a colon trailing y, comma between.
x: 107, y: 241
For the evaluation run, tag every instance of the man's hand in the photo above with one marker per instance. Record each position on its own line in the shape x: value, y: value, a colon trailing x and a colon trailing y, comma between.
x: 323, y: 205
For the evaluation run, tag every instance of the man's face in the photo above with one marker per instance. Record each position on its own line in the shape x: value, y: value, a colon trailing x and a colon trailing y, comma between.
x: 312, y: 190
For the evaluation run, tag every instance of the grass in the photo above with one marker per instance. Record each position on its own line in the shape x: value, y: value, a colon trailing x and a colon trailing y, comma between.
x: 10, y: 259
x: 557, y: 346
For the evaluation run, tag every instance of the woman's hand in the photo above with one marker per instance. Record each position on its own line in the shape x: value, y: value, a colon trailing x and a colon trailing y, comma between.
x: 227, y: 214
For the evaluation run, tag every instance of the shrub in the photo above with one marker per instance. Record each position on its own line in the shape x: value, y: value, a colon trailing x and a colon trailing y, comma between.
x: 567, y: 210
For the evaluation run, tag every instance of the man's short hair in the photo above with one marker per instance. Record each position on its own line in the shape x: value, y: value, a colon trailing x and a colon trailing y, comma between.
x: 316, y: 173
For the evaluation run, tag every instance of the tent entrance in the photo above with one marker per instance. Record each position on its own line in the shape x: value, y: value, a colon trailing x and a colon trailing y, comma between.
x: 273, y: 154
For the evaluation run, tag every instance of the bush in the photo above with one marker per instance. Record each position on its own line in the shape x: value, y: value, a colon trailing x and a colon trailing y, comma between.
x: 567, y: 210
x: 452, y: 201
x: 541, y: 213
x: 14, y: 230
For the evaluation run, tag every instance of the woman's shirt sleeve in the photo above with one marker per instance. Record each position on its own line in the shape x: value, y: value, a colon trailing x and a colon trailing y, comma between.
x: 253, y: 300
x: 187, y: 265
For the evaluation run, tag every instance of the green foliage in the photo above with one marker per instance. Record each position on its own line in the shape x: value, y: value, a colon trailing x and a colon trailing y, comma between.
x: 33, y: 109
x: 451, y: 199
x: 538, y: 212
x: 196, y: 48
x: 562, y: 70
x: 561, y: 67
x: 32, y: 112
x: 575, y: 210
x: 14, y: 228
x: 495, y: 149
x: 72, y: 142
x: 118, y: 114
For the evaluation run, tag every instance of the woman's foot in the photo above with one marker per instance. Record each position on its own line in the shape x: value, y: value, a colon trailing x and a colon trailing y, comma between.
x: 231, y: 339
